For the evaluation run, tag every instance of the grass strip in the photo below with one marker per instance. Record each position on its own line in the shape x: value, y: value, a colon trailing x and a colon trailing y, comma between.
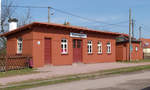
x: 69, y: 78
x: 135, y: 61
x: 17, y: 72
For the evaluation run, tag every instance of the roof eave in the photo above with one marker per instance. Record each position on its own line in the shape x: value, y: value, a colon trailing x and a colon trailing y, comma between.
x: 57, y: 25
x: 17, y: 30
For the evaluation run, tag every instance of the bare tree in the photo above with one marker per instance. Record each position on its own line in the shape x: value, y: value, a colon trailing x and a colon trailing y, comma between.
x: 25, y: 18
x: 8, y: 11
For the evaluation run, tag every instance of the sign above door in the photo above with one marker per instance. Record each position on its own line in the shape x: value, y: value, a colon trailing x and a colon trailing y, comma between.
x: 78, y: 35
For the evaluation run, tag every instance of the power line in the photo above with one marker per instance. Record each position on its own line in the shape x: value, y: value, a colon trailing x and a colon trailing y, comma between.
x: 25, y: 6
x: 68, y: 13
x: 118, y: 23
x: 88, y: 19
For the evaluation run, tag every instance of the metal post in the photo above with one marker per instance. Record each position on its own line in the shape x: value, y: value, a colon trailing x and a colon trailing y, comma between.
x: 0, y: 13
x: 140, y: 33
x: 130, y: 34
x: 133, y: 28
x: 48, y: 14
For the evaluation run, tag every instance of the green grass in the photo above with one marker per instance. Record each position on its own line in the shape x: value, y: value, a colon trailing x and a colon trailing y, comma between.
x: 69, y: 78
x: 17, y: 72
x: 134, y: 61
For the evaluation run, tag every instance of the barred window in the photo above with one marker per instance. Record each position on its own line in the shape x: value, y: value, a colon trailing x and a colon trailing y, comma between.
x: 99, y: 45
x: 108, y: 47
x: 89, y: 46
x: 19, y: 45
x: 64, y: 46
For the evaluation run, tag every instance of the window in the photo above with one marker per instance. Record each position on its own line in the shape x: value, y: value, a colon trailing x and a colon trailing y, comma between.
x: 136, y: 48
x: 108, y: 47
x: 99, y: 45
x: 90, y: 47
x: 19, y: 45
x: 64, y: 46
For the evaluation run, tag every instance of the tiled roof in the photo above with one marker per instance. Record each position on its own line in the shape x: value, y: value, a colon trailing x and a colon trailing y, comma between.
x: 34, y: 24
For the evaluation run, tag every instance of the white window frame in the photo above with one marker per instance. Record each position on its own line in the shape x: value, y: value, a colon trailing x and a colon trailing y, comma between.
x: 108, y: 47
x: 89, y: 46
x: 64, y: 50
x: 19, y: 45
x: 99, y: 45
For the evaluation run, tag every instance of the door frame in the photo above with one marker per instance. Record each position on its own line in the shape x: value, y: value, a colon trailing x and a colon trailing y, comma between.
x: 81, y: 61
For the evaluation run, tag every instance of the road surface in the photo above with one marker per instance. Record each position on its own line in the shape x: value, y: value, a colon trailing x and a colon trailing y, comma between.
x: 130, y: 81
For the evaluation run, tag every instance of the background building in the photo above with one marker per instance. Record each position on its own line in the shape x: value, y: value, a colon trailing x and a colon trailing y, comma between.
x: 146, y: 48
x: 122, y: 49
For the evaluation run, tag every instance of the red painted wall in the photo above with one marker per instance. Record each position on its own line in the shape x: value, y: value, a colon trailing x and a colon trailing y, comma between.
x: 31, y: 47
x: 27, y: 43
x: 58, y: 59
x: 122, y: 51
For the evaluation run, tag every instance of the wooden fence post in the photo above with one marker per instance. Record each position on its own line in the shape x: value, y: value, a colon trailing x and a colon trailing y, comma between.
x: 5, y: 58
x: 28, y: 62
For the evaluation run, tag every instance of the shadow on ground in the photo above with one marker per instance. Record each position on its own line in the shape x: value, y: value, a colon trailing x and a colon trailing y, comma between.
x: 147, y: 88
x: 140, y: 84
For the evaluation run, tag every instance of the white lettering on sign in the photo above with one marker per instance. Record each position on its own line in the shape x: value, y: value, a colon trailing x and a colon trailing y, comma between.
x: 78, y: 35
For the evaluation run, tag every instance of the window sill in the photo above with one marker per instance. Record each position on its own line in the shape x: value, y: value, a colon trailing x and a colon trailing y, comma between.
x: 99, y: 53
x: 18, y: 53
x: 109, y: 53
x: 64, y: 53
x: 90, y: 53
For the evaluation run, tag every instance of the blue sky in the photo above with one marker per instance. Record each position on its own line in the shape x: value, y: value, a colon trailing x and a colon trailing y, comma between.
x: 107, y: 11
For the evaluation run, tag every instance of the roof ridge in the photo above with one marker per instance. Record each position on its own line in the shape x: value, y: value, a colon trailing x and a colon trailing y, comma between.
x: 60, y: 25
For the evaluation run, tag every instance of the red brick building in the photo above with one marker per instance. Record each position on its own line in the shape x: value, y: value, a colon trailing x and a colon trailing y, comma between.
x: 146, y: 47
x: 58, y: 44
x: 122, y: 49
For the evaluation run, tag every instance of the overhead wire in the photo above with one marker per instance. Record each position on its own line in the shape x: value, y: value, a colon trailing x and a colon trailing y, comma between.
x: 68, y: 13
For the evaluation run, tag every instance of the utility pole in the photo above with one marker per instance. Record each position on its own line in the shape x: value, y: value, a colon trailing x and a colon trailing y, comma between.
x: 49, y: 14
x: 140, y: 33
x: 130, y: 22
x: 0, y: 13
x: 133, y: 23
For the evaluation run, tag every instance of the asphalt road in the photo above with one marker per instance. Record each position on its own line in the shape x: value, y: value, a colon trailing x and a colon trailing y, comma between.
x: 130, y: 81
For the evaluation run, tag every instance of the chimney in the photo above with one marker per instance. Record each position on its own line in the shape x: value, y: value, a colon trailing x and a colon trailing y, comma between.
x: 12, y: 24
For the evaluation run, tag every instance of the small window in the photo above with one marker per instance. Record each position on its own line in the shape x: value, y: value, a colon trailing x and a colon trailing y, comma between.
x: 64, y: 46
x: 19, y: 45
x: 136, y: 48
x: 99, y: 45
x: 108, y: 47
x: 90, y: 47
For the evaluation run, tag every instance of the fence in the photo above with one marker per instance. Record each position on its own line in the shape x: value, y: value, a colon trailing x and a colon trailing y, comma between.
x: 146, y: 55
x: 14, y: 62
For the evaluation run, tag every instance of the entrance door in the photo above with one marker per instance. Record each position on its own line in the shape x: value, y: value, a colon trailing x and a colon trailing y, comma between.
x: 77, y: 50
x: 47, y: 51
